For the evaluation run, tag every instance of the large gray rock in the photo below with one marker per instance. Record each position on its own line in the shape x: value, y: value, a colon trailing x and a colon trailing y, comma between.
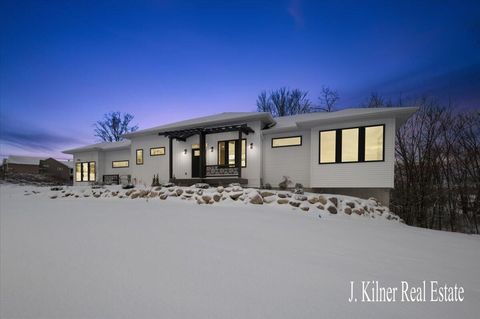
x: 282, y: 200
x: 300, y: 197
x: 347, y: 211
x: 322, y: 200
x: 281, y: 195
x: 163, y: 196
x: 332, y: 209
x: 350, y: 204
x: 305, y: 207
x: 294, y: 204
x: 217, y: 197
x: 220, y: 189
x: 206, y: 198
x: 269, y: 199
x: 313, y: 200
x: 266, y: 194
x: 235, y: 195
x: 334, y: 200
x: 189, y: 191
x: 179, y: 191
x: 256, y: 199
x: 202, y: 185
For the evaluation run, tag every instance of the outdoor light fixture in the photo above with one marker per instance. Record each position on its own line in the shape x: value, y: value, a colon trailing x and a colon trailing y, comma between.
x: 211, y: 149
x: 251, y: 145
x: 185, y: 151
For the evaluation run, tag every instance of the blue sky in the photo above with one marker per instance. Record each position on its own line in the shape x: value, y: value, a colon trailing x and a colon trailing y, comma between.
x: 64, y: 64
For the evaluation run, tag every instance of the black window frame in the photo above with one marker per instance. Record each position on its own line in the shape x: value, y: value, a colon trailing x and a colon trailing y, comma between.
x: 361, y: 145
x: 88, y: 172
x: 128, y: 163
x: 282, y: 137
x: 226, y: 152
x: 156, y: 148
x: 136, y: 156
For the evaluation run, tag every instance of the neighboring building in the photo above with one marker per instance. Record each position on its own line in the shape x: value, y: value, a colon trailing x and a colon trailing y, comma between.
x: 56, y: 169
x: 22, y: 164
x: 349, y: 151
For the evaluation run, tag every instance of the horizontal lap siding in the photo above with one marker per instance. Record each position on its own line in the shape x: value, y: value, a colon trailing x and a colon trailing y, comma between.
x: 362, y: 175
x: 293, y: 162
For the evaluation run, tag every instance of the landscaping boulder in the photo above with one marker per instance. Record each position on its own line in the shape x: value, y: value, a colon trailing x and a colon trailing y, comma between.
x: 256, y: 199
x: 237, y: 188
x: 158, y: 188
x: 350, y: 204
x: 163, y: 196
x: 269, y: 199
x: 114, y: 193
x: 300, y: 197
x: 334, y: 200
x: 228, y: 189
x: 282, y: 200
x: 347, y: 211
x: 97, y: 195
x: 294, y: 204
x: 179, y: 191
x: 305, y: 207
x: 236, y: 195
x: 53, y: 197
x: 168, y: 185
x: 220, y: 189
x: 313, y: 200
x: 217, y: 197
x: 130, y: 192
x: 152, y: 194
x: 200, y: 192
x: 281, y: 195
x: 322, y: 200
x: 266, y: 194
x: 234, y: 185
x: 321, y: 207
x: 189, y: 191
x: 86, y: 195
x: 56, y: 188
x: 202, y: 185
x: 332, y: 209
x: 359, y: 211
x: 206, y: 198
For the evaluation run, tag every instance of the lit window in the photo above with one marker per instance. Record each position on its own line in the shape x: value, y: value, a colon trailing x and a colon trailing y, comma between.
x: 328, y: 146
x: 119, y: 164
x: 350, y: 145
x: 156, y: 151
x: 139, y: 157
x: 287, y: 141
x: 85, y: 172
x: 226, y: 153
x: 374, y: 143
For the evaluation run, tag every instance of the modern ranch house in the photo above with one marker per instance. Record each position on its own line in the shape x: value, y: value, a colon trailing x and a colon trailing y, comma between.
x: 347, y: 152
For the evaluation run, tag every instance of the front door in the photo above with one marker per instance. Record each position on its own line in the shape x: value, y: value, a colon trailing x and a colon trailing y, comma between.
x: 195, y: 162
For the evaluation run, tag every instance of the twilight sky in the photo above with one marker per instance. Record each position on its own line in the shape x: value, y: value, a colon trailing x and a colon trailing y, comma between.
x: 63, y: 64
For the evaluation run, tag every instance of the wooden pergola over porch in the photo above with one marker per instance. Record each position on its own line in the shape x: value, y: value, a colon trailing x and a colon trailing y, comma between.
x: 210, y: 170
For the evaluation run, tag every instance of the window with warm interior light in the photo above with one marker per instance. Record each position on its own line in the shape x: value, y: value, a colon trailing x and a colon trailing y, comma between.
x: 350, y: 145
x: 226, y: 153
x: 374, y: 143
x: 120, y: 164
x: 328, y: 146
x: 139, y: 157
x: 286, y: 141
x: 85, y: 172
x: 157, y: 151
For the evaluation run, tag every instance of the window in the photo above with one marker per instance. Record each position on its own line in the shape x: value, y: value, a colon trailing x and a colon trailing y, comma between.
x: 328, y: 146
x: 374, y: 143
x: 119, y: 164
x: 226, y: 153
x: 286, y: 141
x: 157, y: 151
x: 139, y: 157
x: 85, y: 172
x: 349, y: 145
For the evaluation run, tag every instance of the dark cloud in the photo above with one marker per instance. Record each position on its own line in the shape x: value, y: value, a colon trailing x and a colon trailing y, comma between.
x: 34, y: 139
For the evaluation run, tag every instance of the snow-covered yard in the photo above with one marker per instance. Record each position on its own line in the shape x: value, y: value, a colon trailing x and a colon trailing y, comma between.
x: 92, y: 257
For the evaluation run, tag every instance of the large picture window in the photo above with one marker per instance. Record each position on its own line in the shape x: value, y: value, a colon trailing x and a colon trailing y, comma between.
x: 350, y: 145
x: 139, y: 156
x: 226, y: 153
x: 286, y: 141
x: 120, y: 164
x: 85, y: 172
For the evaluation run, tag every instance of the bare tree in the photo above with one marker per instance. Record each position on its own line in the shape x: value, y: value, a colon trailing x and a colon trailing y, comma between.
x: 284, y: 102
x: 376, y: 100
x: 113, y: 126
x: 328, y: 99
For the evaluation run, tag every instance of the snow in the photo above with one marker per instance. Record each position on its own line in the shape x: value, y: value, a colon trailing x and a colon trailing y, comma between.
x: 151, y: 258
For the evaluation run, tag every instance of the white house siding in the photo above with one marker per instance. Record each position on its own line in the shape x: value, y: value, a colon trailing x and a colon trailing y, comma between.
x: 88, y: 157
x: 352, y: 175
x: 116, y: 155
x: 143, y: 174
x: 293, y: 161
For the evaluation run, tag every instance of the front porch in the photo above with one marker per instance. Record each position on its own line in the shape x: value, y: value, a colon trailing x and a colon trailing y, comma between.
x: 228, y: 165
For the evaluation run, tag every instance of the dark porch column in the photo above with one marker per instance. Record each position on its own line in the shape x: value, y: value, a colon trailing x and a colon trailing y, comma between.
x: 238, y: 154
x: 203, y: 160
x: 170, y: 157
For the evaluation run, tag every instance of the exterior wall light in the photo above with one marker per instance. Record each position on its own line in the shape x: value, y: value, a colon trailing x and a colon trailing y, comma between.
x: 251, y: 145
x: 211, y: 149
x: 185, y: 151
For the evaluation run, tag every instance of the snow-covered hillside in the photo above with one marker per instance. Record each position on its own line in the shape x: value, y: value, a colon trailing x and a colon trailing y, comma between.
x: 107, y: 257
